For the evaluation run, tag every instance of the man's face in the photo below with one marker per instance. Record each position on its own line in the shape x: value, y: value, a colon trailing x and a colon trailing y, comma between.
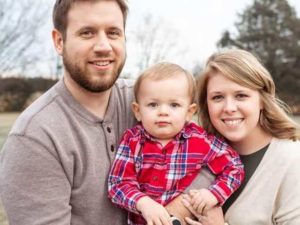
x: 94, y: 48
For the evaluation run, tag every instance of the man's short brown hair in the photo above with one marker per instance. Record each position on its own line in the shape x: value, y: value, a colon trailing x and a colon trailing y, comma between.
x: 62, y: 7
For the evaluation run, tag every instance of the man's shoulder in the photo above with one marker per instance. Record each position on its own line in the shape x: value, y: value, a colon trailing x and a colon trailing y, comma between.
x: 39, y: 112
x: 122, y: 83
x: 122, y: 95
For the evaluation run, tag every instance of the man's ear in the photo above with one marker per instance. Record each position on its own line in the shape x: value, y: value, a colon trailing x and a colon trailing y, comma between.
x: 58, y: 42
x: 136, y: 110
x: 191, y: 111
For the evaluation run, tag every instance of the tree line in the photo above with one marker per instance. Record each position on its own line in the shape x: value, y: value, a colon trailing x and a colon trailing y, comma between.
x: 268, y: 28
x: 17, y: 93
x: 271, y: 30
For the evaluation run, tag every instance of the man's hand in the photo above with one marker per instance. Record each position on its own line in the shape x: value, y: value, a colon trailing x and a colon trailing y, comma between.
x: 177, y: 209
x: 153, y: 212
x: 213, y: 216
x: 202, y: 199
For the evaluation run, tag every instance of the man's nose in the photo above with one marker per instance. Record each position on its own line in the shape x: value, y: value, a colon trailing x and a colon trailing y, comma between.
x: 102, y: 43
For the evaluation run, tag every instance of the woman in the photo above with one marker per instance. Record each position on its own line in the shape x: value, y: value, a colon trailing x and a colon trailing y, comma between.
x: 237, y: 101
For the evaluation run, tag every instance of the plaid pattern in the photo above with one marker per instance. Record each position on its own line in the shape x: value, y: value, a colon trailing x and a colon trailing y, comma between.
x: 143, y: 167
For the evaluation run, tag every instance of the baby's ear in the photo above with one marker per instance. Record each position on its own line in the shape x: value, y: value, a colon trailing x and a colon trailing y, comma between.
x: 136, y: 110
x: 191, y: 111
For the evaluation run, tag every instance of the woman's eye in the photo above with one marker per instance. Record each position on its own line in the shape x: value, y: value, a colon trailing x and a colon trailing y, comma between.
x: 217, y: 97
x: 241, y: 96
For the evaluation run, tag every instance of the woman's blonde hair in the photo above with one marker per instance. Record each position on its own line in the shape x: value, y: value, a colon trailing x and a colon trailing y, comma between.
x: 245, y: 69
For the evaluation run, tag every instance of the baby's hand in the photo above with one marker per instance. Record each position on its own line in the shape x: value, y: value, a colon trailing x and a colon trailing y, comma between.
x: 202, y: 199
x: 153, y: 212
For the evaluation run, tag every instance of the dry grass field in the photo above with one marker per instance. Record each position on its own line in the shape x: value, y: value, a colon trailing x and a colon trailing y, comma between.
x: 6, y: 121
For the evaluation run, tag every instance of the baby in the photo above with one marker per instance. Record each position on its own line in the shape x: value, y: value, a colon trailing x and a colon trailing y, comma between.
x: 159, y: 158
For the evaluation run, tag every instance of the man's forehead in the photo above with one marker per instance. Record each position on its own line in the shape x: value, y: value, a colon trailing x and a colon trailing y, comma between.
x: 109, y: 12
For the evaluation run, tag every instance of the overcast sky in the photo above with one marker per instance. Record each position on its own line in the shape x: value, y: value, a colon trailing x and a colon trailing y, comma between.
x: 200, y: 22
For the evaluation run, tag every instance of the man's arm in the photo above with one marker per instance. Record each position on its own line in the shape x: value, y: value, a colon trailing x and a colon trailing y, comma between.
x: 33, y: 186
x: 176, y: 208
x: 123, y: 187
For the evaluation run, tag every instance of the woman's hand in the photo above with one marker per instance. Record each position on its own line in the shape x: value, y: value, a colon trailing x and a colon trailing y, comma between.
x: 213, y: 216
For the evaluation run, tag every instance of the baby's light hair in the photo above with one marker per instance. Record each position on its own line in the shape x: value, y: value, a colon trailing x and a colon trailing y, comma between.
x: 162, y: 71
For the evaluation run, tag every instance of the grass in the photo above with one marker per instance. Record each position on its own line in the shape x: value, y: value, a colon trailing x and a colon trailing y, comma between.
x: 6, y: 121
x: 3, y: 220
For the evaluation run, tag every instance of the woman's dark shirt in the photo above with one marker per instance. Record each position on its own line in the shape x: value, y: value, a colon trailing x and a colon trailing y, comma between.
x: 250, y: 162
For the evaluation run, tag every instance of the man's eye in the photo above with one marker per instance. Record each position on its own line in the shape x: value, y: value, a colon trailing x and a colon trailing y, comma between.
x: 114, y: 34
x: 86, y: 34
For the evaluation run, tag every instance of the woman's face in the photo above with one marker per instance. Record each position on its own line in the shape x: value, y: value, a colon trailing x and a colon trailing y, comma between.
x: 233, y: 109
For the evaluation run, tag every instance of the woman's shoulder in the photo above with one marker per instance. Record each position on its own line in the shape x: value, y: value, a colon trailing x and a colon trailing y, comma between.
x: 286, y: 148
x: 286, y: 143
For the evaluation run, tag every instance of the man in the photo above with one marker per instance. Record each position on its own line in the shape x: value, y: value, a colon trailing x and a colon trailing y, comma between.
x: 55, y: 162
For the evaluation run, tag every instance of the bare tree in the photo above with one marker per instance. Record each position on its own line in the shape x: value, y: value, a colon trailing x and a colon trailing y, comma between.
x: 152, y: 41
x: 20, y: 22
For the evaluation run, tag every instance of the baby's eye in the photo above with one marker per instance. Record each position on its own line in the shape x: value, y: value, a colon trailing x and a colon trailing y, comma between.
x: 175, y: 105
x: 152, y: 104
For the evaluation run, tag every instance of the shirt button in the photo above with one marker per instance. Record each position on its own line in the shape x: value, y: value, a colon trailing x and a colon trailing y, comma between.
x: 112, y: 148
x: 155, y: 178
x: 108, y: 129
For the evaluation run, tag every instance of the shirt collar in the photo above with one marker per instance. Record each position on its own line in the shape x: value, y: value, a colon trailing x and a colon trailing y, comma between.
x: 185, y: 133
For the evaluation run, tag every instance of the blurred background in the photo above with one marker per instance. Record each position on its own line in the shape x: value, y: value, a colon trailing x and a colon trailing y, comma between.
x: 171, y: 30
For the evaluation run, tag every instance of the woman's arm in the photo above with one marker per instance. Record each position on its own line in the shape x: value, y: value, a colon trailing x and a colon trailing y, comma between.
x: 287, y: 207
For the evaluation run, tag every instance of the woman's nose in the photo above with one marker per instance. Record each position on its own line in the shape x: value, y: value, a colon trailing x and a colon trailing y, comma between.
x: 230, y: 105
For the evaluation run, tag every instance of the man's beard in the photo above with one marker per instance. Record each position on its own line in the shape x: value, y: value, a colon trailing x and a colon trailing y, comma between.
x: 82, y: 78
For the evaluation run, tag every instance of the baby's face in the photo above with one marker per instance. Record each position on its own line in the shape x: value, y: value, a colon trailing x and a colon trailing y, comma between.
x: 164, y: 106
